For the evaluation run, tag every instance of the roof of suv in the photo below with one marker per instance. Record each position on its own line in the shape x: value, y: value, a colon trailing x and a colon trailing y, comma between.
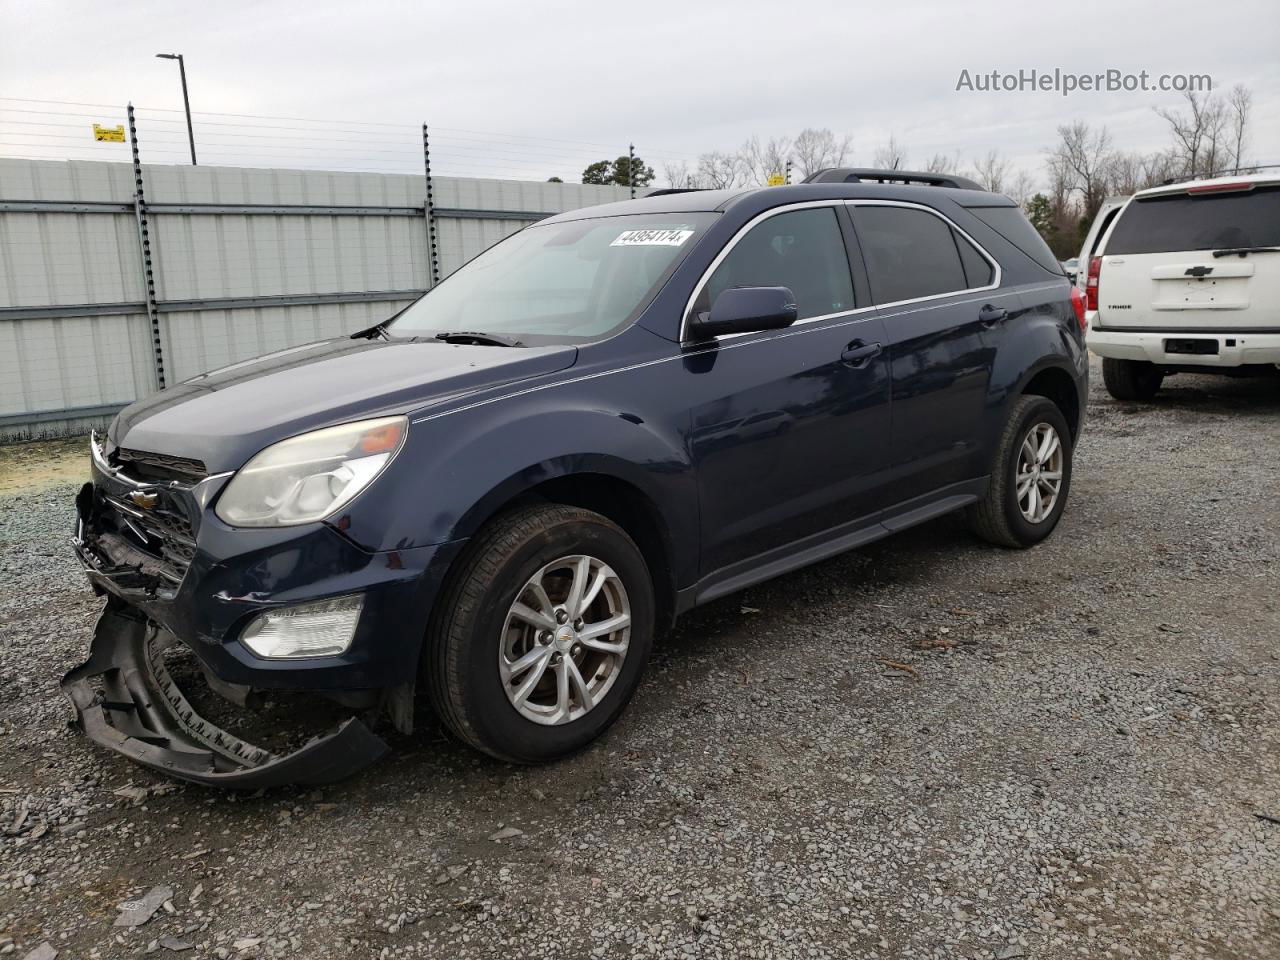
x: 762, y: 198
x: 1209, y: 185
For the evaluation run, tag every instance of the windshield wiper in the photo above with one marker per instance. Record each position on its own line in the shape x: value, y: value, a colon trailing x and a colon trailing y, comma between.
x: 479, y: 338
x: 1241, y: 251
x: 377, y: 332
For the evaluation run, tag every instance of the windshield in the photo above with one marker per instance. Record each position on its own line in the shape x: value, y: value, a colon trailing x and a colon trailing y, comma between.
x: 558, y: 282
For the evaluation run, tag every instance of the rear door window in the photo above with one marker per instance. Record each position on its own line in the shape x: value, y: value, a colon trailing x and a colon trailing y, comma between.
x: 909, y: 253
x: 1215, y: 221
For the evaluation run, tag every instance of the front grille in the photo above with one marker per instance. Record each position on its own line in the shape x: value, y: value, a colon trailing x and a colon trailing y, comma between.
x: 158, y: 467
x: 148, y: 527
x: 161, y: 532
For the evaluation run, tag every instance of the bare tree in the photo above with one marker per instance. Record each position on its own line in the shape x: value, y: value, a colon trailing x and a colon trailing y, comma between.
x: 1217, y: 138
x: 1082, y: 159
x: 943, y: 163
x: 992, y: 171
x: 1198, y: 133
x: 762, y: 160
x: 1064, y: 211
x: 1021, y: 188
x: 1128, y: 171
x: 1060, y: 182
x: 677, y: 175
x: 1239, y: 106
x: 816, y: 150
x: 892, y: 156
x: 718, y: 170
x: 1131, y: 172
x: 1158, y: 168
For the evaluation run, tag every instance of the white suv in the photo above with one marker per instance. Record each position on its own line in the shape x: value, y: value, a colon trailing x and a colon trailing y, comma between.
x: 1187, y: 278
x: 1103, y: 219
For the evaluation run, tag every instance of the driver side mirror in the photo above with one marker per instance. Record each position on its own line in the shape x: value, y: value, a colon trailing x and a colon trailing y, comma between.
x: 745, y: 310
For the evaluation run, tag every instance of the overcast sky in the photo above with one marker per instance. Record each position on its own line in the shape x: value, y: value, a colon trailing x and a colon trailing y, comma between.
x: 540, y: 88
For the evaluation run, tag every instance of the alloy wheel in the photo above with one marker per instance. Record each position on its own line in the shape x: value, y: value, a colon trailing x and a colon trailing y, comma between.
x: 1039, y: 477
x: 564, y: 640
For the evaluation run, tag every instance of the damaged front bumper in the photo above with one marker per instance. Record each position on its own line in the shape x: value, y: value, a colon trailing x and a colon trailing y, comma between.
x: 173, y: 573
x: 126, y: 700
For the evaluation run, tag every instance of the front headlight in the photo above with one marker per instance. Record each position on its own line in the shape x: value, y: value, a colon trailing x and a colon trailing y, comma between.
x: 307, y: 478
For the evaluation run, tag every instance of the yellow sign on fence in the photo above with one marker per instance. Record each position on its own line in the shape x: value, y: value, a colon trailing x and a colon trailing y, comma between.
x: 108, y: 134
x: 776, y: 180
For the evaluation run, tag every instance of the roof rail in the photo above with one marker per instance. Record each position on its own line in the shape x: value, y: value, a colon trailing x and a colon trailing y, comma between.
x: 1215, y: 174
x: 912, y: 177
x: 667, y: 191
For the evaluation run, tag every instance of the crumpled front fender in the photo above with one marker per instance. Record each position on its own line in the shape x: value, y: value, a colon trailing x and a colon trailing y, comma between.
x: 139, y: 711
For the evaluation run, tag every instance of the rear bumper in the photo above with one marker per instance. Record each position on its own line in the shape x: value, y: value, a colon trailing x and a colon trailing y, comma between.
x: 1235, y: 349
x: 126, y: 701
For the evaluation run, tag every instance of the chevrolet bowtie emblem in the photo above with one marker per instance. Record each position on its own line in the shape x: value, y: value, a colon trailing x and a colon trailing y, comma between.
x: 143, y: 499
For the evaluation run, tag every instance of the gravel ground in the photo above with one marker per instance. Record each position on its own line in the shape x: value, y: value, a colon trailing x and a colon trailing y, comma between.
x: 925, y: 748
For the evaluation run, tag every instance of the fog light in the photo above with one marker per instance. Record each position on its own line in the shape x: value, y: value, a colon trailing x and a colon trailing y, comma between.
x: 322, y: 629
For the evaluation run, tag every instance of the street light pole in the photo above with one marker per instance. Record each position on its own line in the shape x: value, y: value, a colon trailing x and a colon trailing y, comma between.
x: 186, y: 102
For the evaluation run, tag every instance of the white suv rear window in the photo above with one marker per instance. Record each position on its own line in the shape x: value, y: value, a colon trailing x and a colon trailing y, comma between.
x: 1215, y: 221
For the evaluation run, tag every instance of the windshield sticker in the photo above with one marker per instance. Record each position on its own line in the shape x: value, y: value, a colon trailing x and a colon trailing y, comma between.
x: 651, y: 238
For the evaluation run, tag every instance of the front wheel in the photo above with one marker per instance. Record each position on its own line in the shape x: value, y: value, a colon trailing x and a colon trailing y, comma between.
x: 1030, y: 479
x: 543, y: 632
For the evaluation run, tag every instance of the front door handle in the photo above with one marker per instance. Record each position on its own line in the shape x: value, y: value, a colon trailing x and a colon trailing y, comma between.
x: 859, y: 353
x: 989, y: 316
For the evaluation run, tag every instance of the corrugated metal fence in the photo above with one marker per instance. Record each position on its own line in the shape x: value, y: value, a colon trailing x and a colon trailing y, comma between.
x: 243, y: 261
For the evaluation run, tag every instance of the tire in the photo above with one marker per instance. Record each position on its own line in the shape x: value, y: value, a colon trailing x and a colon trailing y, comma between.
x: 468, y: 641
x: 1131, y: 379
x: 999, y: 517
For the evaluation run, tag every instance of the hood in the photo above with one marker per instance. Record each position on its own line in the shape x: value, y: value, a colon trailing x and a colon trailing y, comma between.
x: 226, y: 416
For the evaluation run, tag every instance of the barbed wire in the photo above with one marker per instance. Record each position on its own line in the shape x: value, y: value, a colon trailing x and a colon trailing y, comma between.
x: 41, y: 129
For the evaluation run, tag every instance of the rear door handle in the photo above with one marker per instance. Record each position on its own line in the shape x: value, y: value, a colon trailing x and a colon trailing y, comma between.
x: 859, y: 353
x: 989, y: 316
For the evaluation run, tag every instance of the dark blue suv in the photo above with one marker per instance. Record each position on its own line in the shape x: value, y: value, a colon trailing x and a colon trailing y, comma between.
x: 500, y: 495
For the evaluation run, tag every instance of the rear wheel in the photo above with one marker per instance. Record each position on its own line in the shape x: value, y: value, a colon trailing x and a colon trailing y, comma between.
x: 543, y: 632
x: 1031, y: 477
x: 1131, y: 379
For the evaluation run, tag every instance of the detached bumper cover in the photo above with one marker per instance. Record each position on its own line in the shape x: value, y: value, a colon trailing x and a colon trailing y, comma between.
x: 140, y: 712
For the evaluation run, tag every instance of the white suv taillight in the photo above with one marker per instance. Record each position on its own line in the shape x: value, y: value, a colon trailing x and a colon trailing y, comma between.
x: 1091, y: 284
